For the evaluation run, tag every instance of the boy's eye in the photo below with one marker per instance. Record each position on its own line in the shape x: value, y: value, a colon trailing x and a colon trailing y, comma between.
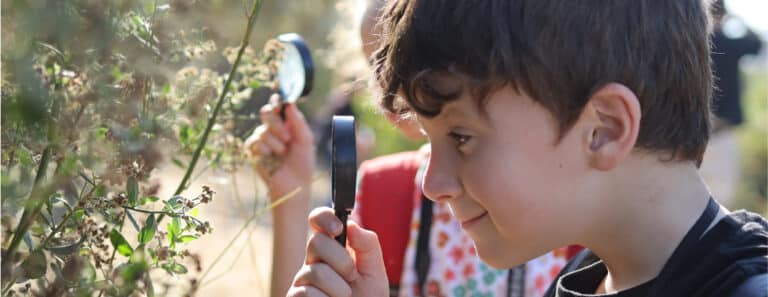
x: 460, y: 138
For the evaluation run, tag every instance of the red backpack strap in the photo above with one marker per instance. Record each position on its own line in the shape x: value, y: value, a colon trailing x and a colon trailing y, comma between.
x: 385, y: 204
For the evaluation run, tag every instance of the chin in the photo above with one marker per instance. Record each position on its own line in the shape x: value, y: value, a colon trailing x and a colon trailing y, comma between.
x: 499, y: 256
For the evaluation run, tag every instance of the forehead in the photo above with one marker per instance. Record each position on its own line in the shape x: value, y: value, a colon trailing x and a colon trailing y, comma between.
x: 432, y: 91
x: 464, y: 110
x: 501, y: 107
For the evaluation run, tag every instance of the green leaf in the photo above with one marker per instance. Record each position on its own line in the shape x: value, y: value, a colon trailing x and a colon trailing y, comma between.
x: 255, y: 84
x: 148, y: 199
x: 148, y: 231
x: 68, y: 165
x: 178, y: 163
x: 23, y: 155
x: 175, y: 268
x: 184, y: 135
x: 132, y: 190
x: 172, y: 205
x: 121, y: 245
x: 116, y: 73
x: 187, y: 238
x: 35, y: 265
x: 174, y: 230
x: 166, y: 89
x: 132, y: 271
x: 78, y: 215
x: 149, y: 7
x: 100, y: 191
x: 194, y: 212
x: 101, y: 133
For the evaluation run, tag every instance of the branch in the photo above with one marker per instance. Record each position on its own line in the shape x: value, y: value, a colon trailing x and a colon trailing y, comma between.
x: 212, y: 120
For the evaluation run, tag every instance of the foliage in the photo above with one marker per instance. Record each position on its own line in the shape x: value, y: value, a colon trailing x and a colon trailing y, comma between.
x: 388, y: 138
x: 94, y: 95
x: 752, y: 192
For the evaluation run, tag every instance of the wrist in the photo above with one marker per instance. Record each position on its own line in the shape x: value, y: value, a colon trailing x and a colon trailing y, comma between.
x: 296, y: 197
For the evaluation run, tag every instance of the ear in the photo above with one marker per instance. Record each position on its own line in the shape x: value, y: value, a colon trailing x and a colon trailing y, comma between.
x: 613, y: 112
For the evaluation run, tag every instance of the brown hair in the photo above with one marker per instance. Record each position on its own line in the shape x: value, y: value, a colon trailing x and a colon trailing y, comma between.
x: 558, y: 52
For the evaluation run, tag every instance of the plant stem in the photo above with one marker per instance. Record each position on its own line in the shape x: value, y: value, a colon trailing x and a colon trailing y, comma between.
x: 151, y: 211
x: 31, y: 209
x: 54, y: 231
x: 9, y: 285
x: 212, y: 120
x: 222, y: 96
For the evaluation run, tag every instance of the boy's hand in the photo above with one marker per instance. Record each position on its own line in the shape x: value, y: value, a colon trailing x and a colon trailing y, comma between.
x: 331, y: 270
x: 284, y: 150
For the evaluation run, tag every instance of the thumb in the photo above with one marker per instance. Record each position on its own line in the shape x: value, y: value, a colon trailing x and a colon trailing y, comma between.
x: 367, y: 251
x: 298, y: 124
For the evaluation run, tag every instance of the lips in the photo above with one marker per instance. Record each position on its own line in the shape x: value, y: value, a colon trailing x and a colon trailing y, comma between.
x: 468, y: 223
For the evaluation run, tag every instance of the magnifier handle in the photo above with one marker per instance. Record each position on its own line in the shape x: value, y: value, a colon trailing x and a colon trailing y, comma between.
x: 342, y: 215
x: 282, y: 111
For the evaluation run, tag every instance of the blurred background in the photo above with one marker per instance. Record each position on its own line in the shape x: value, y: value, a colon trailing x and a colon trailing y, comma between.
x: 95, y: 57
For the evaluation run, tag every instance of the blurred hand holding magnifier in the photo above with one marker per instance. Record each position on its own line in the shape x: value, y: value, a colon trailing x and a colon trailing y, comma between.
x: 294, y: 77
x: 294, y: 80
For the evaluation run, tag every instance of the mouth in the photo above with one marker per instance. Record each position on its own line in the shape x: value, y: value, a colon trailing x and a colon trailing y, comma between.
x: 469, y: 222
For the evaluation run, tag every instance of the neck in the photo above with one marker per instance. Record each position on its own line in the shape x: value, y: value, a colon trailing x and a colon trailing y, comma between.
x: 644, y: 219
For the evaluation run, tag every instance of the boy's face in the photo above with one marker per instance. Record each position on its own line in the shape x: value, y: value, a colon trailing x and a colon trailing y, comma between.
x: 506, y: 178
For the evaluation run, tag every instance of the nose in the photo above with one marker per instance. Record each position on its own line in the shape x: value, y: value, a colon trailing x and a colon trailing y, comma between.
x: 440, y: 182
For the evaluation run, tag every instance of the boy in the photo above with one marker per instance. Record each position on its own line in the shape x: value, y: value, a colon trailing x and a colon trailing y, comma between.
x: 423, y: 247
x: 582, y: 120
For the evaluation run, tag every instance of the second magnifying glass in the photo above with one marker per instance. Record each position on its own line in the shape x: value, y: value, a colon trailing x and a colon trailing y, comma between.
x: 296, y: 69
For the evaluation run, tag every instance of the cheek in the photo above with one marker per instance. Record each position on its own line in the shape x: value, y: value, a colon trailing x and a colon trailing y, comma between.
x: 520, y: 185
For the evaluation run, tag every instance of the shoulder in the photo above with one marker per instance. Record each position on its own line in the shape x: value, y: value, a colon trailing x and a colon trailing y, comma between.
x: 742, y: 229
x: 755, y: 286
x: 739, y: 257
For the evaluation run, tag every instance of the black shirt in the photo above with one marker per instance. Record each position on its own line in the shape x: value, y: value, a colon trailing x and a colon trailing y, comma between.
x: 588, y: 279
x: 715, y: 264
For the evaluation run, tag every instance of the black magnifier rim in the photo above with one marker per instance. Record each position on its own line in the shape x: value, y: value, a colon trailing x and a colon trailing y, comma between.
x: 306, y: 59
x: 344, y: 162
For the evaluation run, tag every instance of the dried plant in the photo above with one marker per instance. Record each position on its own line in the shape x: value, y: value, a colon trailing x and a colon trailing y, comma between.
x: 95, y: 94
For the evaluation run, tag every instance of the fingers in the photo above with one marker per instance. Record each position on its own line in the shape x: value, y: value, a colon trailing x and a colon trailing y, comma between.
x: 323, y: 220
x: 265, y: 143
x: 274, y: 145
x: 298, y: 124
x: 331, y: 269
x: 270, y: 117
x: 272, y: 136
x: 305, y: 291
x: 322, y: 277
x: 322, y: 247
x: 368, y: 255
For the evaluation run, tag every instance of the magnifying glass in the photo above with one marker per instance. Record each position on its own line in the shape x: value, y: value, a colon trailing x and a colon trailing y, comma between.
x: 343, y: 170
x: 295, y: 71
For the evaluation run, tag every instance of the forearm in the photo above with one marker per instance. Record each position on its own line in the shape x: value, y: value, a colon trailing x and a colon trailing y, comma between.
x: 289, y: 240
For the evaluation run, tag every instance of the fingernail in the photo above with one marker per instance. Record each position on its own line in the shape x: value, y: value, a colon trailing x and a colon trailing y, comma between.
x: 334, y: 227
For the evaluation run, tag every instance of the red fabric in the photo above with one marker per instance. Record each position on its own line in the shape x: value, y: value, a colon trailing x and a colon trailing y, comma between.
x: 572, y: 251
x: 386, y: 204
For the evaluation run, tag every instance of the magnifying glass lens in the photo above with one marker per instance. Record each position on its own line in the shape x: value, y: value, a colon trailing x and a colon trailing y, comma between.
x: 294, y: 76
